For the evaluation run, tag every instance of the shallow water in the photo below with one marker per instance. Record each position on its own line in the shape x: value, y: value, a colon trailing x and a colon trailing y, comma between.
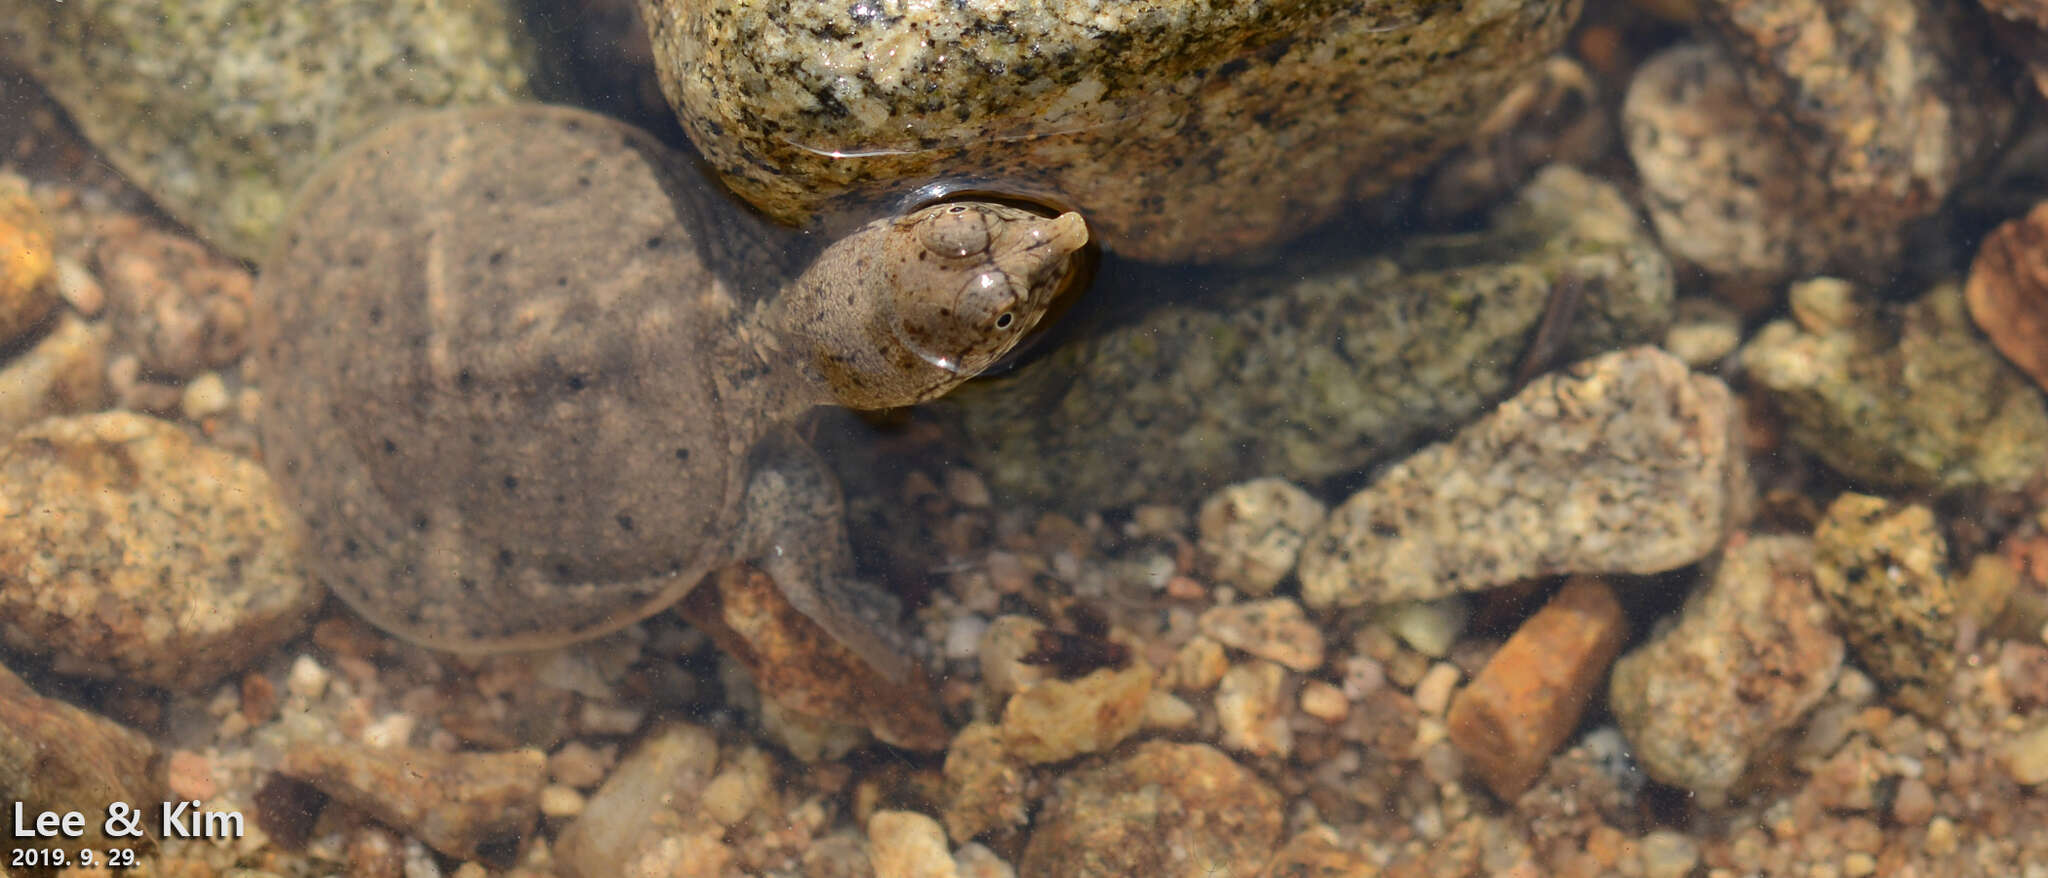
x: 1556, y: 510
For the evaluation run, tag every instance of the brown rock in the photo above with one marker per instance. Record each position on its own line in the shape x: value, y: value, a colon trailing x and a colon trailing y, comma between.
x: 2008, y: 291
x: 177, y: 305
x: 805, y: 669
x: 1753, y: 651
x: 984, y: 785
x: 1166, y: 811
x: 1316, y: 854
x: 56, y: 757
x: 1529, y: 696
x: 26, y: 261
x: 64, y: 373
x: 466, y: 805
x: 1273, y: 629
x: 1053, y: 720
x: 130, y: 551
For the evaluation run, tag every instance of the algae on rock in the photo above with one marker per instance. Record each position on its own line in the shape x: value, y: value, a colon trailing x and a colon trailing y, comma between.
x: 220, y: 108
x: 1305, y: 376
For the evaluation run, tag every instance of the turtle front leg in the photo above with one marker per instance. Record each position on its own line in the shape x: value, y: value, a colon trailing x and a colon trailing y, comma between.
x: 795, y: 531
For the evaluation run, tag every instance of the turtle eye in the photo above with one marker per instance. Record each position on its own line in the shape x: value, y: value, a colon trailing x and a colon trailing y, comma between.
x: 954, y: 232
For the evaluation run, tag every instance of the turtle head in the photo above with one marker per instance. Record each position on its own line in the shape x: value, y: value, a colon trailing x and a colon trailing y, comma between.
x: 905, y: 309
x: 978, y: 277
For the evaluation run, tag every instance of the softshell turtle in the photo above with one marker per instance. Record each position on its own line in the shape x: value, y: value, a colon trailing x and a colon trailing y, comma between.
x: 521, y: 400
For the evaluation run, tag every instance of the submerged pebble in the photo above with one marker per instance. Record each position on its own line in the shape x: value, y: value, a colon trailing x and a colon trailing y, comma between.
x: 1883, y: 568
x: 1574, y: 474
x: 1753, y: 650
x: 129, y: 551
x: 1874, y: 392
x: 1106, y: 822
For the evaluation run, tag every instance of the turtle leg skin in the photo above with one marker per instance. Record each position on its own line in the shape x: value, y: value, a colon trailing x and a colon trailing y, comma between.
x: 795, y: 531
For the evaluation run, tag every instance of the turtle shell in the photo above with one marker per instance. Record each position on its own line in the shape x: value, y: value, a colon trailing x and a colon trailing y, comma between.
x: 488, y: 374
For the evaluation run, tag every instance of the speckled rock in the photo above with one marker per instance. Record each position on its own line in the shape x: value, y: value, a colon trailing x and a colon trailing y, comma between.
x: 1317, y: 853
x: 1322, y: 368
x: 177, y: 307
x: 56, y: 757
x: 1753, y: 650
x: 1273, y: 629
x: 1813, y: 132
x: 467, y: 805
x: 1183, y: 130
x: 1873, y: 393
x: 63, y: 373
x: 1578, y: 473
x: 1167, y: 810
x: 985, y: 785
x: 220, y: 108
x: 26, y: 261
x: 798, y: 664
x: 1052, y: 720
x: 131, y: 552
x: 1252, y: 532
x: 1253, y: 701
x: 1883, y: 568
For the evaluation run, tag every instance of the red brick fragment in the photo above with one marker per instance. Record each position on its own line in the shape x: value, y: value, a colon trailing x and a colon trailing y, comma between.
x: 1530, y: 695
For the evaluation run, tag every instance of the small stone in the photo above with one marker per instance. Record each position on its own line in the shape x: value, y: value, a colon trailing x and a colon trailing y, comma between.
x: 1913, y: 803
x: 965, y: 487
x: 1252, y: 704
x: 1858, y: 864
x: 1704, y: 333
x: 578, y: 766
x: 1004, y: 645
x: 1273, y: 629
x: 205, y: 396
x: 1165, y: 711
x: 26, y: 261
x: 56, y: 757
x: 464, y: 805
x: 2008, y: 292
x: 1753, y: 650
x: 1111, y: 821
x: 2026, y: 756
x: 1252, y: 532
x: 1877, y: 399
x: 1433, y: 691
x: 1529, y: 696
x: 1941, y: 837
x: 558, y: 802
x: 63, y: 373
x: 1055, y: 720
x: 976, y: 861
x: 801, y: 667
x: 176, y: 305
x: 1573, y: 474
x: 129, y: 551
x: 1668, y: 853
x: 79, y: 288
x: 1882, y: 567
x: 739, y: 788
x: 1316, y: 853
x: 645, y: 820
x: 984, y: 784
x: 1428, y: 627
x: 1324, y: 702
x: 1199, y: 664
x: 306, y: 678
x: 906, y: 844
